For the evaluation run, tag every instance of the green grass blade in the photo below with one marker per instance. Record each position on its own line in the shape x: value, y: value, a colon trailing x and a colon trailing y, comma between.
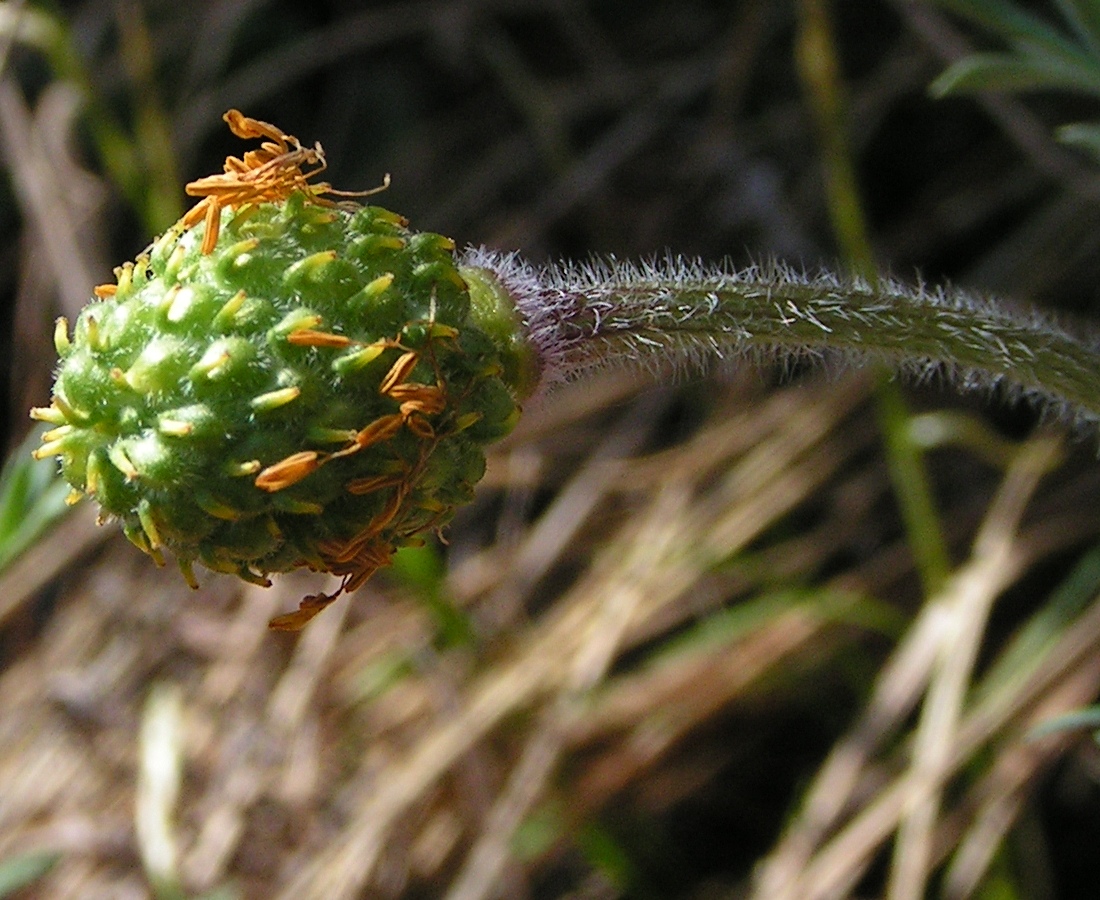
x: 1082, y: 135
x: 1016, y: 72
x: 18, y: 872
x: 1084, y: 16
x: 1041, y: 632
x: 1073, y: 721
x: 1012, y: 24
x: 32, y: 497
x: 421, y: 570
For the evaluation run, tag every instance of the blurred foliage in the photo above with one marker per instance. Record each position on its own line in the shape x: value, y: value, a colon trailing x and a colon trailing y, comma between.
x: 141, y: 163
x: 31, y: 499
x: 18, y: 872
x: 1040, y: 57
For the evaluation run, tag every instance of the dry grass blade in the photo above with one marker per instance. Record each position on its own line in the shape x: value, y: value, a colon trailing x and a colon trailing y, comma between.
x: 626, y: 587
x: 966, y: 603
x: 938, y: 655
x: 1000, y: 795
x: 51, y: 193
x: 766, y: 482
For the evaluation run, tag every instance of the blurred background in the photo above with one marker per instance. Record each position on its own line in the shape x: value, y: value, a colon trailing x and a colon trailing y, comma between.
x: 765, y: 633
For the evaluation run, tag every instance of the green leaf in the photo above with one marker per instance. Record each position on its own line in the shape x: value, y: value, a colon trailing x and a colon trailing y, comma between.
x: 382, y: 673
x: 419, y: 568
x: 1007, y: 72
x: 540, y: 831
x: 1083, y: 135
x: 1084, y: 16
x: 1041, y: 633
x: 422, y: 571
x: 226, y: 892
x: 19, y: 871
x: 1081, y: 718
x: 30, y: 26
x: 1013, y: 24
x: 32, y: 497
x: 606, y: 854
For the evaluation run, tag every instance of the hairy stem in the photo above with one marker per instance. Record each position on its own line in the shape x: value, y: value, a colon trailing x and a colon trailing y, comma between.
x: 688, y: 316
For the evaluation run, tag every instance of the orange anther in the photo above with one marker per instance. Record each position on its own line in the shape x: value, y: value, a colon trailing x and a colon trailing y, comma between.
x: 307, y: 609
x: 213, y: 224
x: 370, y: 556
x: 400, y: 370
x: 380, y: 429
x: 367, y: 568
x: 421, y: 427
x: 271, y: 173
x: 288, y: 471
x: 426, y: 398
x: 307, y: 337
x: 391, y: 509
x: 246, y: 127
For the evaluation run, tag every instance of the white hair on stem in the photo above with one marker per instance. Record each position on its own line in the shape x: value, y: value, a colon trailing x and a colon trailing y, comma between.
x: 678, y: 315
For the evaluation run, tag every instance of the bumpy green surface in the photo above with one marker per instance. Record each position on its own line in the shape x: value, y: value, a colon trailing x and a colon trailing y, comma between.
x: 172, y: 395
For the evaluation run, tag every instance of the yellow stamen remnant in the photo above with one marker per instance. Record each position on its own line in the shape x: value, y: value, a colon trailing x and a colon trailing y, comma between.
x: 274, y: 399
x: 92, y: 325
x: 48, y: 450
x: 232, y: 306
x: 149, y: 525
x: 377, y: 287
x: 51, y: 415
x: 71, y: 413
x: 241, y: 469
x: 310, y: 267
x: 174, y: 427
x: 62, y: 342
x: 280, y: 167
x: 56, y: 434
x: 91, y: 478
x: 399, y: 371
x: 217, y: 508
x: 188, y: 572
x: 359, y: 358
x: 297, y: 320
x: 122, y: 462
x: 322, y: 435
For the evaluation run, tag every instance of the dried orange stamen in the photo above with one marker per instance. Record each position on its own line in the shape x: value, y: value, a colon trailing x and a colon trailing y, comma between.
x: 270, y: 174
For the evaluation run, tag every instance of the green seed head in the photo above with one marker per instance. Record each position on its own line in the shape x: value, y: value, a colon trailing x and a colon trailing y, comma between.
x: 310, y: 391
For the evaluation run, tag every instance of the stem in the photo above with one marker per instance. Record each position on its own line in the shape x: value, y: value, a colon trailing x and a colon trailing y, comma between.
x: 687, y: 316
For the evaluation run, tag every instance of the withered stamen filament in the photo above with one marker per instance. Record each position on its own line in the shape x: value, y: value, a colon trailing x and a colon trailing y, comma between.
x: 400, y: 370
